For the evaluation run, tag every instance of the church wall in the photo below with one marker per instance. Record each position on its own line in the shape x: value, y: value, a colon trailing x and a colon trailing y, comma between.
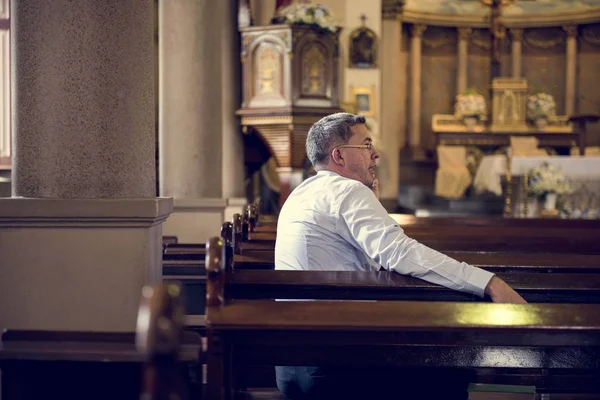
x: 588, y: 95
x: 478, y: 63
x: 544, y: 62
x: 438, y: 84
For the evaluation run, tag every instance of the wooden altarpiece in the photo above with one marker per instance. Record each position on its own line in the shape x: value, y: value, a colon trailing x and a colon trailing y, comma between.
x: 290, y: 81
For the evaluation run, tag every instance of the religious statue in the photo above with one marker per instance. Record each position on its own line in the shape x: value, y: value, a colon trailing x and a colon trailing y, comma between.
x: 363, y: 47
x: 497, y: 32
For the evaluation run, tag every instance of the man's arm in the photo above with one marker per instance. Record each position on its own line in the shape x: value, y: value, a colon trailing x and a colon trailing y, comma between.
x: 367, y: 225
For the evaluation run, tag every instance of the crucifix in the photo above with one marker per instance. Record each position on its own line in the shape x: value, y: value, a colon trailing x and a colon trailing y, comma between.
x: 497, y: 33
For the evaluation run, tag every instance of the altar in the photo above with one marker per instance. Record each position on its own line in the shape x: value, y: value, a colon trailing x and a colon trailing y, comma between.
x: 559, y: 134
x: 511, y: 115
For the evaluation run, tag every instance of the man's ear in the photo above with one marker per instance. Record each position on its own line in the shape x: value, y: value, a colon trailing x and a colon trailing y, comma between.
x: 336, y: 156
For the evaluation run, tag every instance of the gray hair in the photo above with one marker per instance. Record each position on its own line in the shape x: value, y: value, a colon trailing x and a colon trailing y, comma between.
x: 330, y: 131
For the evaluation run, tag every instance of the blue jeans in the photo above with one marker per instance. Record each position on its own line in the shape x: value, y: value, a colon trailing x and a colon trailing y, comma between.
x: 371, y: 383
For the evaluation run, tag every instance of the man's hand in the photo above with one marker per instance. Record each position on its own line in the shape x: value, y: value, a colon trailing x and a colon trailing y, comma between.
x: 500, y: 292
x: 375, y: 188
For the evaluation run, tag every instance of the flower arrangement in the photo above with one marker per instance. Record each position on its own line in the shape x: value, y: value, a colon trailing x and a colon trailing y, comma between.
x: 546, y: 179
x: 540, y: 105
x: 470, y: 104
x: 316, y: 15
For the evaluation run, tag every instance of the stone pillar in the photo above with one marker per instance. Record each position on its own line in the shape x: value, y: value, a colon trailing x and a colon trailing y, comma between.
x: 415, y: 90
x: 571, y: 73
x: 516, y: 51
x: 233, y: 145
x: 82, y: 233
x: 463, y: 53
x: 393, y: 108
x: 191, y: 116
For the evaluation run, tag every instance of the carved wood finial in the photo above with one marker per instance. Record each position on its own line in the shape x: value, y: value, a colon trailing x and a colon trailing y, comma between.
x: 159, y: 333
x: 237, y: 234
x: 215, y: 272
x: 245, y: 224
x: 227, y: 236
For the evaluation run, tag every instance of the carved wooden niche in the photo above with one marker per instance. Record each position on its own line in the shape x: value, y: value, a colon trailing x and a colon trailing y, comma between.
x: 315, y: 63
x: 268, y: 75
x: 289, y: 66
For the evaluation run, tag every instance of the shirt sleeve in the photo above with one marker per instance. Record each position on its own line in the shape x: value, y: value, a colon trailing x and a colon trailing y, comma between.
x: 367, y: 225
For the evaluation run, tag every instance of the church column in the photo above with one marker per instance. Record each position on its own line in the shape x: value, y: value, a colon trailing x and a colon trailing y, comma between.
x: 393, y: 104
x: 516, y: 51
x: 570, y: 78
x: 233, y: 145
x: 83, y: 231
x: 191, y: 118
x: 463, y: 53
x: 415, y: 90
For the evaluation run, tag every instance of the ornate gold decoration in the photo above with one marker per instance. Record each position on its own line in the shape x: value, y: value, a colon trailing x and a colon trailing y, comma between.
x: 481, y: 39
x: 535, y: 38
x: 516, y: 34
x: 464, y: 33
x: 313, y: 70
x: 392, y: 9
x: 508, y: 211
x: 591, y: 34
x: 268, y: 70
x: 364, y: 97
x: 436, y: 40
x: 363, y: 46
x: 296, y: 35
x: 490, y: 2
x: 417, y: 30
x: 571, y: 30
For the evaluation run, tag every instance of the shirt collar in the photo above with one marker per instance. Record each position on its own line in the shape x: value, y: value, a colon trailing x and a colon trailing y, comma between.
x: 327, y: 172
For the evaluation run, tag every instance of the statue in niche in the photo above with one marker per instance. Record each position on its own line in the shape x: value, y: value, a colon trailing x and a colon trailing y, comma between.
x: 268, y: 71
x: 313, y: 80
x: 363, y: 47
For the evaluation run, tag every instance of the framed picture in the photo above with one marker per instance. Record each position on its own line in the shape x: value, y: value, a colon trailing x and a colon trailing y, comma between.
x: 364, y: 98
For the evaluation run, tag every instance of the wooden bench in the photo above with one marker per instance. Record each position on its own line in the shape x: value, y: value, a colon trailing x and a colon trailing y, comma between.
x: 551, y: 346
x: 101, y: 365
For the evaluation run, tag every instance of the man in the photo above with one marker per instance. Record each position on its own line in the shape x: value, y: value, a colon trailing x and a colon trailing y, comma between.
x: 334, y: 221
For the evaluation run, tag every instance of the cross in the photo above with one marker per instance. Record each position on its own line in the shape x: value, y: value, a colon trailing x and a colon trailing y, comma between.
x: 497, y: 33
x: 363, y: 18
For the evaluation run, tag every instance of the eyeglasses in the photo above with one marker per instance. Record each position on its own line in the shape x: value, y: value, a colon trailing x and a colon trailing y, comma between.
x: 368, y: 146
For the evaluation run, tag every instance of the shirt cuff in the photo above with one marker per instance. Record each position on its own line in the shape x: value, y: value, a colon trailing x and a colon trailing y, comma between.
x: 478, y: 281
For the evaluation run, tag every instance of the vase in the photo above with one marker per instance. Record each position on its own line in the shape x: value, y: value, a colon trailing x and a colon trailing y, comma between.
x: 470, y: 123
x: 541, y: 123
x: 550, y: 201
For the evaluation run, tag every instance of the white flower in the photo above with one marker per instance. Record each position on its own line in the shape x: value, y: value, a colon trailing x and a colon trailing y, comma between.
x: 540, y: 105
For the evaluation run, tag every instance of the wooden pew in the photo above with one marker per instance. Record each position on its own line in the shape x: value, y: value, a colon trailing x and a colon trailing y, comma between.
x: 551, y: 346
x: 92, y: 365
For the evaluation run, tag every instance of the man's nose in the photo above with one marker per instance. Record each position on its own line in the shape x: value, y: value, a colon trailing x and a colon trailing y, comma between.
x: 375, y: 154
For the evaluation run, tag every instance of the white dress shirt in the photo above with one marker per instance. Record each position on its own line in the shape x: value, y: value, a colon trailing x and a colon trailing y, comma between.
x: 337, y: 224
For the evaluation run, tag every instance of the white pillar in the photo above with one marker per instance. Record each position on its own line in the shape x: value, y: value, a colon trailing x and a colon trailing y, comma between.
x: 191, y: 116
x: 392, y: 107
x: 516, y: 51
x: 570, y: 78
x: 463, y: 53
x: 233, y: 144
x: 415, y: 90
